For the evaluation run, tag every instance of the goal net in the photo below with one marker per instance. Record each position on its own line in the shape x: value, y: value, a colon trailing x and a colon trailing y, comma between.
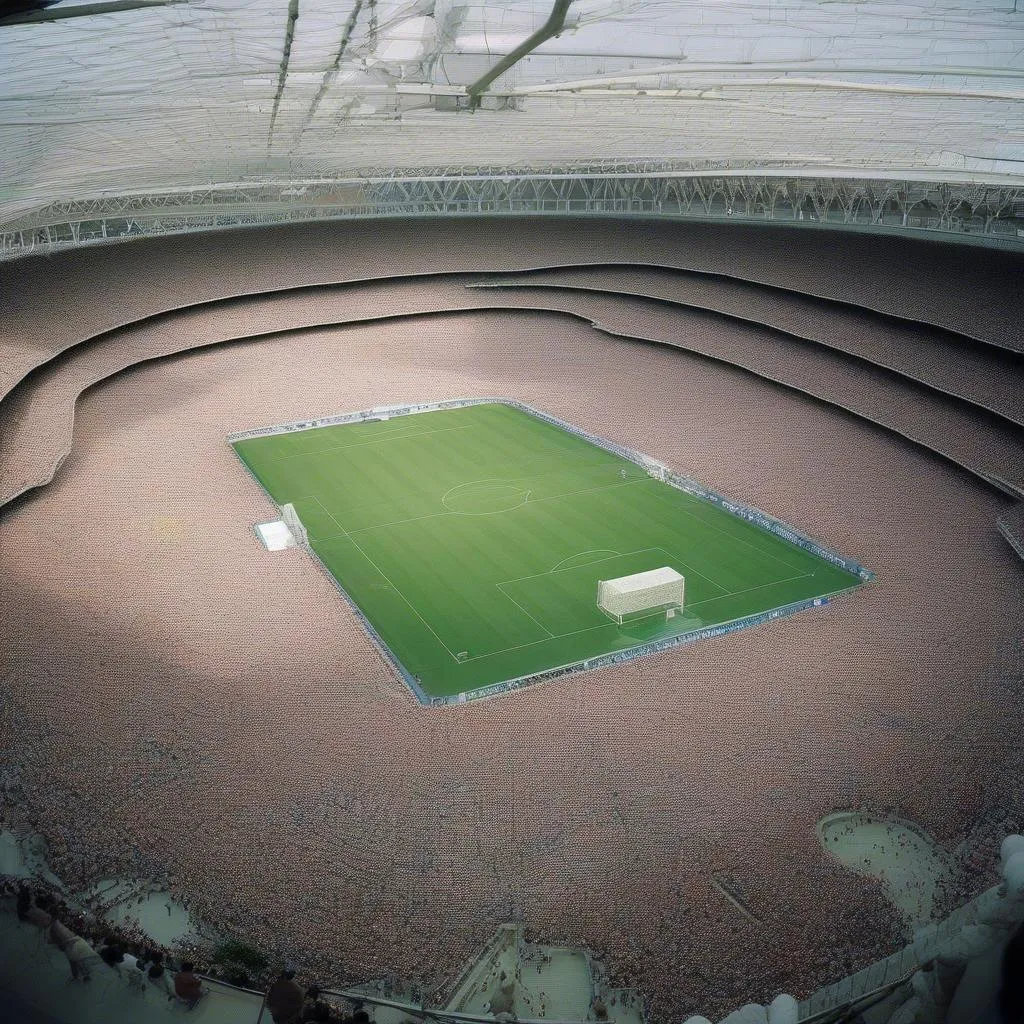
x: 643, y: 591
x: 291, y: 519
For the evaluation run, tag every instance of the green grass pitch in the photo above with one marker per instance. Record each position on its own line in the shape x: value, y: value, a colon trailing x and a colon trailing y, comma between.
x: 473, y: 539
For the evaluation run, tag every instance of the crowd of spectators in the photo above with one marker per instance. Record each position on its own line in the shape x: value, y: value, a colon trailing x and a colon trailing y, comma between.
x: 94, y: 948
x: 202, y: 739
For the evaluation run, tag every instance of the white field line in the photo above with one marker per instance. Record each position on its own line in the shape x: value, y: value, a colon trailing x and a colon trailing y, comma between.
x: 531, y: 501
x: 390, y: 584
x: 569, y: 568
x: 717, y: 586
x: 638, y: 618
x: 362, y: 444
x: 524, y: 611
x: 587, y: 551
x: 736, y: 593
x: 639, y: 551
x: 741, y: 540
x: 391, y: 501
x: 402, y: 522
x: 487, y: 480
x: 559, y: 636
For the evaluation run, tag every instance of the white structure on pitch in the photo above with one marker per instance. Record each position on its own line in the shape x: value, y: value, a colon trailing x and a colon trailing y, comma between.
x: 291, y: 519
x: 653, y: 590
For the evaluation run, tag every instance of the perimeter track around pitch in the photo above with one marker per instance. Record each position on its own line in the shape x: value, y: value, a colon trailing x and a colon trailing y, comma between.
x: 473, y: 539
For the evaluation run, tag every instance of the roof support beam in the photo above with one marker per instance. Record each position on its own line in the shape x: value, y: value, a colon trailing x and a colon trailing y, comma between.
x: 282, y: 77
x: 551, y: 27
x: 48, y: 13
x: 332, y: 72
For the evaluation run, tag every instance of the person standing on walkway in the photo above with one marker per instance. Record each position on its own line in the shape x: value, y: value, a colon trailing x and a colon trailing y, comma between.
x: 187, y: 986
x: 285, y: 999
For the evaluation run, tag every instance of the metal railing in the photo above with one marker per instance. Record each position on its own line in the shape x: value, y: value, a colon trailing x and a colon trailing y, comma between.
x: 976, y: 212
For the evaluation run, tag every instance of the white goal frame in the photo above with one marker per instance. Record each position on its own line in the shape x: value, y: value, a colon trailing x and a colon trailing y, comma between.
x: 654, y: 590
x: 291, y: 519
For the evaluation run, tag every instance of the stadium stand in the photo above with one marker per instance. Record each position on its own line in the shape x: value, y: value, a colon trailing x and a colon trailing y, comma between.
x: 841, y: 266
x: 796, y: 459
x: 982, y: 374
x: 977, y: 440
x: 773, y: 248
x: 1011, y: 525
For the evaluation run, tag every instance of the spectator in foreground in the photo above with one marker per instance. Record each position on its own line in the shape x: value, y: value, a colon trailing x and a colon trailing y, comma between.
x: 1011, y: 995
x: 135, y: 971
x: 24, y: 902
x: 158, y: 975
x: 39, y: 914
x: 187, y: 986
x: 285, y: 998
x: 113, y: 956
x: 82, y: 958
x: 315, y: 1010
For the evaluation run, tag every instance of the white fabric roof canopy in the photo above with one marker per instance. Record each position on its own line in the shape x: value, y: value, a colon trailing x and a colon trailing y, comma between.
x: 206, y: 91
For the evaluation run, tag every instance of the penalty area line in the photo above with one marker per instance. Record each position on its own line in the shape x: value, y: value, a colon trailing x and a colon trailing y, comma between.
x: 589, y: 551
x: 562, y: 636
x: 390, y: 584
x: 584, y: 565
x: 736, y: 593
x: 525, y: 612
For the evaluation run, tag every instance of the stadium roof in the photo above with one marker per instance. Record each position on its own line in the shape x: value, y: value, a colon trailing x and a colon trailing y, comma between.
x: 132, y: 95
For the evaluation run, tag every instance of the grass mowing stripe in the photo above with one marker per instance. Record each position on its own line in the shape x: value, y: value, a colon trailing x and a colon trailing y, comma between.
x: 496, y: 575
x: 750, y: 590
x: 363, y: 444
x: 393, y: 587
x: 568, y: 568
x: 518, y: 605
x: 496, y: 512
x: 734, y: 535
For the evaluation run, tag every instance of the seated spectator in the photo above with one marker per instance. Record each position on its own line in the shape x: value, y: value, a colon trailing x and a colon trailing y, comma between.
x: 39, y: 914
x: 112, y: 955
x: 187, y: 986
x: 1011, y: 995
x: 284, y: 999
x: 158, y: 975
x: 82, y: 958
x: 134, y: 970
x: 24, y: 901
x: 315, y: 1010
